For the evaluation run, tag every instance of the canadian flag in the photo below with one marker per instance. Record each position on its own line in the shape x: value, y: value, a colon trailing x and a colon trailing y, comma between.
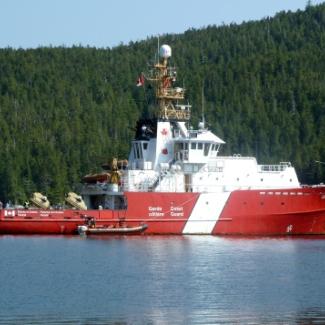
x: 9, y: 213
x: 140, y: 81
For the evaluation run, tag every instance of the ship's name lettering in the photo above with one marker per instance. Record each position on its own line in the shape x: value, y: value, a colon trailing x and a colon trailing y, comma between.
x: 176, y: 214
x: 156, y: 214
x: 155, y: 211
x: 154, y: 208
x: 176, y: 209
x: 23, y: 213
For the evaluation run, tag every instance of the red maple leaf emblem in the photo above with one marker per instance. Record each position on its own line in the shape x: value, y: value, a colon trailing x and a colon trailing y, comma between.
x: 164, y: 132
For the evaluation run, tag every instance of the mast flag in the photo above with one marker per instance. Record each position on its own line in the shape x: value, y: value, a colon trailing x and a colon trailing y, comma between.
x: 140, y: 81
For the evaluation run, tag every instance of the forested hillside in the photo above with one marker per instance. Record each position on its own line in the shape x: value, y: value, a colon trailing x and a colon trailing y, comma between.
x: 65, y: 111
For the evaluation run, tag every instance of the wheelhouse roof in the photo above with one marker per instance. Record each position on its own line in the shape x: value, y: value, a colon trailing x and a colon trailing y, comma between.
x: 200, y: 136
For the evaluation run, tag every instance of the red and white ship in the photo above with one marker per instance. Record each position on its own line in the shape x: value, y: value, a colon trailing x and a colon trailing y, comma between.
x: 175, y: 182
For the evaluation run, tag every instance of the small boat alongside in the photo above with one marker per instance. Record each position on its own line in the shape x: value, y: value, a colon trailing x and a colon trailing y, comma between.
x: 101, y: 230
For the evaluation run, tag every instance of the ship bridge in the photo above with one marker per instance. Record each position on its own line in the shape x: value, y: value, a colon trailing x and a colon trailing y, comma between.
x: 197, y: 147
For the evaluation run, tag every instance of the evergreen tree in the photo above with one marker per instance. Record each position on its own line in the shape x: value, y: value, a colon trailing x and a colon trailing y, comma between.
x: 65, y: 111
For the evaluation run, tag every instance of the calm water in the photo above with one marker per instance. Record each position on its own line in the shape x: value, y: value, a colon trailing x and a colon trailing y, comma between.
x: 161, y: 280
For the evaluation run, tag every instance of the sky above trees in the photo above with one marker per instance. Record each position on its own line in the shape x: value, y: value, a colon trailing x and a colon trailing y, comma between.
x: 101, y: 23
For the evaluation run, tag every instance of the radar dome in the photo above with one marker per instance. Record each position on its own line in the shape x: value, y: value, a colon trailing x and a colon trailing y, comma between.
x: 165, y: 51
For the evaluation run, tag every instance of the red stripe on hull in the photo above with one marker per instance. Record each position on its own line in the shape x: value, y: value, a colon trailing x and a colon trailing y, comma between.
x: 164, y: 213
x: 249, y: 212
x: 70, y: 227
x: 273, y: 212
x: 38, y: 227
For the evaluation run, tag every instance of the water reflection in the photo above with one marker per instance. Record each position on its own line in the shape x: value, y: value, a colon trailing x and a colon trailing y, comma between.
x: 309, y: 316
x: 161, y: 280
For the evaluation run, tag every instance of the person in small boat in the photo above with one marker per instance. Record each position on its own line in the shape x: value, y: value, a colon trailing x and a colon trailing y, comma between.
x: 91, y: 222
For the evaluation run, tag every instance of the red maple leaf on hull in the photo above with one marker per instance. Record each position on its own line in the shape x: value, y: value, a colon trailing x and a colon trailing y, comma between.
x: 164, y: 132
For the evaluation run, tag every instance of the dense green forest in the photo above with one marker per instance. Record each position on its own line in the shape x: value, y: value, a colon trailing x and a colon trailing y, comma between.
x: 65, y: 111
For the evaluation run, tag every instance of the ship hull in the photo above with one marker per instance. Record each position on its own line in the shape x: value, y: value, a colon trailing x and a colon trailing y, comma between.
x: 298, y: 211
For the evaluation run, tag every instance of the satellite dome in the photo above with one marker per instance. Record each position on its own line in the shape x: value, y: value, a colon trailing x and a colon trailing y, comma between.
x: 165, y: 51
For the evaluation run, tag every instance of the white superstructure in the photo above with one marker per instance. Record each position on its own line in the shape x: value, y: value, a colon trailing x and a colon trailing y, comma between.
x: 178, y: 162
x: 170, y: 157
x: 167, y: 155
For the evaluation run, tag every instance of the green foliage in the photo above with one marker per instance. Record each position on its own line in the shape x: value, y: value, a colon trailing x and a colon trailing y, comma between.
x: 65, y: 111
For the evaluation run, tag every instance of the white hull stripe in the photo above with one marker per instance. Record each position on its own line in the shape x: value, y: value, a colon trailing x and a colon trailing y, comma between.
x: 206, y: 213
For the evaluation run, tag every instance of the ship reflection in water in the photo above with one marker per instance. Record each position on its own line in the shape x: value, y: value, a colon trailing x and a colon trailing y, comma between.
x: 161, y: 280
x: 312, y: 316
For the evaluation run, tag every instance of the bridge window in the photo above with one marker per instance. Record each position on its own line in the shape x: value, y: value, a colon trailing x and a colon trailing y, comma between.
x: 181, y: 146
x: 200, y: 146
x: 193, y: 145
x: 206, y: 149
x: 137, y: 150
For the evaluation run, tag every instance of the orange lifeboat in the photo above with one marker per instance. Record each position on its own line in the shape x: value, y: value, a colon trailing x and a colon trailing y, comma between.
x: 97, y: 178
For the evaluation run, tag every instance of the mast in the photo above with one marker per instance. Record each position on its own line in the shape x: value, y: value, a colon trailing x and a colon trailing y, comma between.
x: 162, y: 77
x: 203, y: 117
